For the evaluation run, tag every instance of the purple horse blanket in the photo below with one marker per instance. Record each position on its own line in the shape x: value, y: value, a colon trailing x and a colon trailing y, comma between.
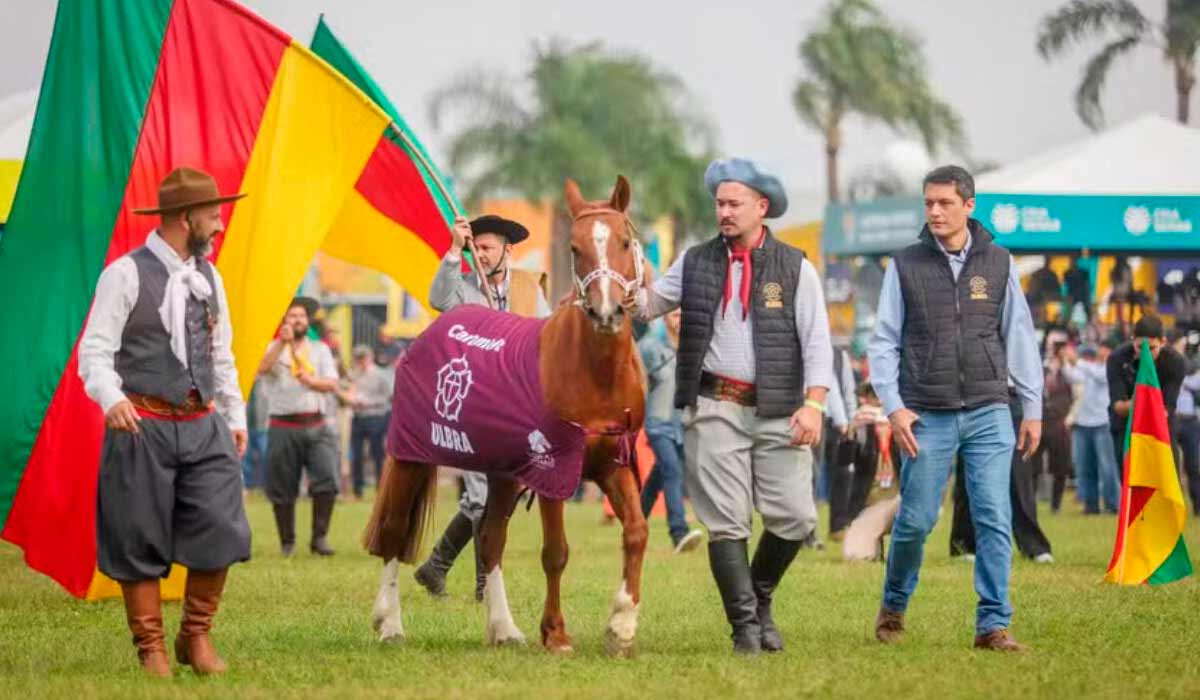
x: 469, y: 395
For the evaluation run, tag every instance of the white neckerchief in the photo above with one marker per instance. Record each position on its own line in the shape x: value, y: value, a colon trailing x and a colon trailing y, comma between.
x: 183, y: 279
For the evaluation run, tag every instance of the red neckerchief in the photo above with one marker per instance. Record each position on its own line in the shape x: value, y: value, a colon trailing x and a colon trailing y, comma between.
x: 742, y: 256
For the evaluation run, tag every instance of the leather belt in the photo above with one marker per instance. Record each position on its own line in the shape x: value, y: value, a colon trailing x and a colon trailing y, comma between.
x: 714, y: 386
x: 152, y: 406
x: 297, y: 420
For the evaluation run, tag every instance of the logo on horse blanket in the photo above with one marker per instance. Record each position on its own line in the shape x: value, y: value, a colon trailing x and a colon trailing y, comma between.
x: 469, y: 395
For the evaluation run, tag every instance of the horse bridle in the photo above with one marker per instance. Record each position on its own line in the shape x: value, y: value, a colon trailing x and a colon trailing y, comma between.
x: 603, y: 271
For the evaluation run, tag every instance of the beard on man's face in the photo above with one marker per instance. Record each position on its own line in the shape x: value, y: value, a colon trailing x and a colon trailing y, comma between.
x: 198, y: 245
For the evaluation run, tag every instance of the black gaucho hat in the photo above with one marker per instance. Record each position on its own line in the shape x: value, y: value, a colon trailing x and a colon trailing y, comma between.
x: 490, y: 223
x: 310, y: 305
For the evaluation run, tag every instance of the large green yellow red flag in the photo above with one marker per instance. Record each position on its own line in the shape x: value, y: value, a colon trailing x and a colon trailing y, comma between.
x: 1149, y: 547
x: 131, y: 90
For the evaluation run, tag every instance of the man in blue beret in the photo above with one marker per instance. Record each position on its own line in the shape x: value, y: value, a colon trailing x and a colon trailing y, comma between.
x: 753, y: 366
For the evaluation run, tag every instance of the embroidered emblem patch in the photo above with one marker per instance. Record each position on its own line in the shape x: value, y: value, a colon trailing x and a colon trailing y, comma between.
x: 978, y: 288
x: 772, y: 295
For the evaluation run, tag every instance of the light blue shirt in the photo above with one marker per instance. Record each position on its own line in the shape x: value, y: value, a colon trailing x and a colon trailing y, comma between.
x: 1016, y: 328
x: 1186, y: 404
x: 1093, y: 402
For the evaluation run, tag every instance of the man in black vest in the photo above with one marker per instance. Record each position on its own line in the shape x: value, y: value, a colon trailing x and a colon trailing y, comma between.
x: 754, y: 363
x: 156, y: 357
x: 952, y: 327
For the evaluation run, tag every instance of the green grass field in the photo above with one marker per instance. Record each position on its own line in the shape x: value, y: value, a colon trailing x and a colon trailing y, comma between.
x: 301, y: 628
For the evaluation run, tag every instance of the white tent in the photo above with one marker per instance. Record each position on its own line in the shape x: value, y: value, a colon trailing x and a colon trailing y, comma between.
x: 1149, y: 155
x: 16, y: 123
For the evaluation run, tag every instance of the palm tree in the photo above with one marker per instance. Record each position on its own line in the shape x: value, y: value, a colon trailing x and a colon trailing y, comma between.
x: 590, y: 114
x: 857, y: 62
x: 1126, y: 28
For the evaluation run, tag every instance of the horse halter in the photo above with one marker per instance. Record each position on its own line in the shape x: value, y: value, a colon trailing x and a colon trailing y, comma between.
x: 603, y: 271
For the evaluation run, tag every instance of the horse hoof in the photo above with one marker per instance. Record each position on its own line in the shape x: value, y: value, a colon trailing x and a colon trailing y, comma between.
x: 501, y: 637
x: 559, y: 646
x: 617, y: 647
x: 391, y: 637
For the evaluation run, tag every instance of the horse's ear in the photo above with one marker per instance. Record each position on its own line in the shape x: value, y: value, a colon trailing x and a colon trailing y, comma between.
x: 573, y: 197
x: 620, y: 195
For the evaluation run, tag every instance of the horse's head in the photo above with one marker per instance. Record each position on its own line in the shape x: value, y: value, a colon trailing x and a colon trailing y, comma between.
x: 606, y: 257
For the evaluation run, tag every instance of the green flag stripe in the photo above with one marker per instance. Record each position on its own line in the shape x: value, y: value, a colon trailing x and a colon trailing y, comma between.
x: 93, y: 98
x: 328, y: 47
x: 1176, y: 566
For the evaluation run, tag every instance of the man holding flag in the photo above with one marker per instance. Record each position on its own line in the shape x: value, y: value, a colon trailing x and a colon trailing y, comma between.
x: 156, y: 357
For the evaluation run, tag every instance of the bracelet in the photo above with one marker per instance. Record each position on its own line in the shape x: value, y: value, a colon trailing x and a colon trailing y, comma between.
x: 813, y: 403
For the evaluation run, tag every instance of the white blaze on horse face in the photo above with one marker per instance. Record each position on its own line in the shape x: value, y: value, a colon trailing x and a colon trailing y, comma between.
x: 600, y: 235
x: 385, y: 617
x: 500, y: 629
x: 622, y: 623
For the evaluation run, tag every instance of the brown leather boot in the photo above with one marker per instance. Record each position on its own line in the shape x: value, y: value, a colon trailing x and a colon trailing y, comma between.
x: 999, y: 640
x: 143, y: 612
x: 200, y: 600
x: 889, y: 626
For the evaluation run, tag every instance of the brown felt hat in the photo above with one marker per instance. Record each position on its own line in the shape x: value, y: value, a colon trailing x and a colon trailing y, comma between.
x: 185, y: 188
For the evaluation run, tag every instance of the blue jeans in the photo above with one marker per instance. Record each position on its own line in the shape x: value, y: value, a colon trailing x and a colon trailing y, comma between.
x: 984, y: 438
x: 254, y: 462
x: 371, y: 430
x: 667, y: 477
x: 1096, y: 468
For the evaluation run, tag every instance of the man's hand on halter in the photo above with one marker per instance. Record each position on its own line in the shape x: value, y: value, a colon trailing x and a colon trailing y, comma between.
x: 459, y: 235
x: 123, y: 417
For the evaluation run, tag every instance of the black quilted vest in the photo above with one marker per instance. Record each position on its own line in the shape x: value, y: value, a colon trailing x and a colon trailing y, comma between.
x: 952, y: 354
x: 779, y: 364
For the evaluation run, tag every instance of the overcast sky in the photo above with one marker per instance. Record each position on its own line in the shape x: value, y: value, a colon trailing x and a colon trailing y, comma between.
x: 740, y: 64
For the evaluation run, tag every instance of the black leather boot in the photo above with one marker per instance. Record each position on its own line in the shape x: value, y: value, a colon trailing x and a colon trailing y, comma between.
x: 432, y: 574
x: 285, y: 522
x: 480, y: 574
x: 731, y: 570
x: 771, y: 560
x: 322, y: 515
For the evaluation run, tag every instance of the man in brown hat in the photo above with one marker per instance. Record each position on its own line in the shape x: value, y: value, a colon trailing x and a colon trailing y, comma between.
x: 515, y: 291
x: 156, y: 356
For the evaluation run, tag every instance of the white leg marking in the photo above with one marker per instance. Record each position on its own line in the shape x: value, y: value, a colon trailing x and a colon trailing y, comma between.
x: 600, y: 234
x: 385, y: 616
x: 622, y: 624
x: 500, y: 628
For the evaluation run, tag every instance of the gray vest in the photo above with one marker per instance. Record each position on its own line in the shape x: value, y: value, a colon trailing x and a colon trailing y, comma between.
x: 779, y: 362
x: 952, y: 355
x: 145, y: 362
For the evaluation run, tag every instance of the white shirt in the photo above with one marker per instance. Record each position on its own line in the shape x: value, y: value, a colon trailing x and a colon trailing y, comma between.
x: 731, y: 351
x: 285, y: 394
x: 116, y: 295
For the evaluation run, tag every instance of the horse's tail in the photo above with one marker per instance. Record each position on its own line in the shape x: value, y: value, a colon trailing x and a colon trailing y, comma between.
x: 403, y: 510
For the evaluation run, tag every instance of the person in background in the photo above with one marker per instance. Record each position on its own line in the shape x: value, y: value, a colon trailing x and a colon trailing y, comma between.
x: 1055, y: 450
x: 371, y: 401
x: 1122, y: 369
x: 298, y: 375
x: 1095, y: 461
x: 1187, y: 426
x: 254, y: 462
x: 664, y: 432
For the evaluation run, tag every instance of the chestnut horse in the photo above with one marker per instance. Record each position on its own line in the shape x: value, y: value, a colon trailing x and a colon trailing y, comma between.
x: 590, y: 376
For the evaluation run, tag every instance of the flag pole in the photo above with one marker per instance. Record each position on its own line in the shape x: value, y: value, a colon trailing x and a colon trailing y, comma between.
x: 416, y: 153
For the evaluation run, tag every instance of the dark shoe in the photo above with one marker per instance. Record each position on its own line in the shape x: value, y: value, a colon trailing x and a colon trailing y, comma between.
x: 285, y: 523
x: 480, y: 574
x: 771, y: 560
x: 322, y: 515
x: 193, y: 646
x: 432, y: 574
x: 143, y: 612
x: 999, y: 640
x: 730, y: 569
x: 889, y: 626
